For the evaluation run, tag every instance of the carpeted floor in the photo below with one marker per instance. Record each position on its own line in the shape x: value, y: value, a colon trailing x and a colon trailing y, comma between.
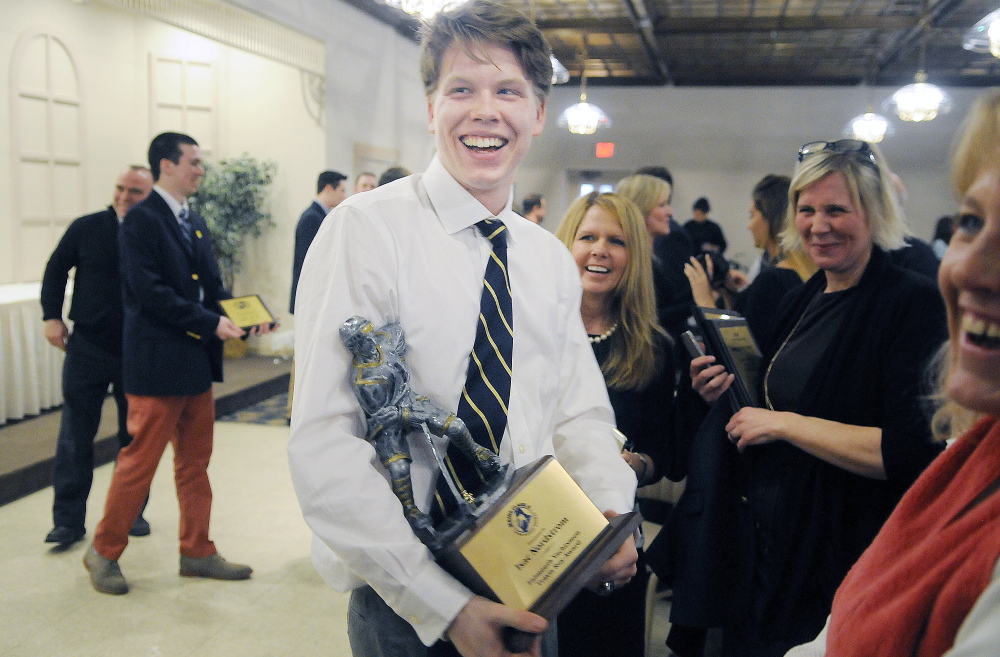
x: 271, y: 412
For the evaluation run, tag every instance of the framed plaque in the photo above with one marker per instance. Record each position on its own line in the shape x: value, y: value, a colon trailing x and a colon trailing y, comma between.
x: 728, y: 338
x: 247, y: 311
x: 536, y: 546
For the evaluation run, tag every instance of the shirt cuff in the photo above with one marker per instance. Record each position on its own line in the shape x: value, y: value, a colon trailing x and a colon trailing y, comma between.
x: 431, y: 602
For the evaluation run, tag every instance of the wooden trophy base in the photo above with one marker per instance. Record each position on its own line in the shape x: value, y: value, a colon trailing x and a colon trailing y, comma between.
x: 537, y: 545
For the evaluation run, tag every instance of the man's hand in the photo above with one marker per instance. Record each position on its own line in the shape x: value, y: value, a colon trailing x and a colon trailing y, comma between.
x: 476, y: 631
x: 226, y: 329
x: 620, y: 568
x: 266, y: 327
x: 56, y: 333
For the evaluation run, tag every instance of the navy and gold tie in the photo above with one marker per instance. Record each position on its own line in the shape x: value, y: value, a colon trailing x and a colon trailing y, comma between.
x: 185, y: 221
x: 483, y: 405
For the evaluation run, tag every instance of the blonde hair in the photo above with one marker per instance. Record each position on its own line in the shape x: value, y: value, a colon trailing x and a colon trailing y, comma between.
x: 635, y: 357
x: 976, y: 148
x: 870, y: 187
x: 799, y: 262
x: 643, y: 190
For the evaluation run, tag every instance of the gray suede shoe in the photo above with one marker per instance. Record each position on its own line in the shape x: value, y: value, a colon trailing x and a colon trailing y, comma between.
x: 214, y: 567
x: 105, y: 574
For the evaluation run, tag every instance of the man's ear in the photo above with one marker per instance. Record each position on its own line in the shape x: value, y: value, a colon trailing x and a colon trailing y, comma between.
x: 539, y: 120
x: 430, y: 115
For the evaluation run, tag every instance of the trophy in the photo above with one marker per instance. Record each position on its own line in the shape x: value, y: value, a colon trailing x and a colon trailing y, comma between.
x: 529, y: 538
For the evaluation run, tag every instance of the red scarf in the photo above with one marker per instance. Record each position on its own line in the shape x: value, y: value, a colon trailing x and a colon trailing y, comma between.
x: 911, y: 590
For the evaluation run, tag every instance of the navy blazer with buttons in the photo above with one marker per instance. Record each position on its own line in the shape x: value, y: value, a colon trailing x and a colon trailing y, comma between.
x: 170, y: 347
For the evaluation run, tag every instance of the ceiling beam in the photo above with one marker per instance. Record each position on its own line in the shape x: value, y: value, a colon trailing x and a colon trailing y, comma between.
x: 913, y: 37
x: 642, y: 23
x: 668, y: 26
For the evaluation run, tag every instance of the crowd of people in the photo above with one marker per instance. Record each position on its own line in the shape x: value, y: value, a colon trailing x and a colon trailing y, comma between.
x: 829, y: 519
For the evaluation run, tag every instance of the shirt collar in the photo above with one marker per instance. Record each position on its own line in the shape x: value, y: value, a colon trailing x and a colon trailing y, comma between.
x: 175, y: 207
x: 456, y: 208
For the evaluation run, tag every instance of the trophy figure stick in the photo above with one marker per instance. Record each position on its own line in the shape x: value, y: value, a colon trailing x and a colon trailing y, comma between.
x: 381, y: 384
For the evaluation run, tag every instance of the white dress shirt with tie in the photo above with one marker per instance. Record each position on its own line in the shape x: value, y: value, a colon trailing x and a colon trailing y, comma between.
x: 409, y: 252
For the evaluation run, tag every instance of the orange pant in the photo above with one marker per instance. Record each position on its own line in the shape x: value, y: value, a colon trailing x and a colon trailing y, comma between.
x: 187, y: 423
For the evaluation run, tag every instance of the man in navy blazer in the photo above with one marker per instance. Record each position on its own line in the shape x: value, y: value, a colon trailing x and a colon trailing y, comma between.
x: 172, y: 352
x: 93, y: 351
x: 331, y: 189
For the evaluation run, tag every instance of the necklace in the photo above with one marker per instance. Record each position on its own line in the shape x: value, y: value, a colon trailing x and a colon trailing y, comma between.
x: 594, y: 339
x: 767, y: 374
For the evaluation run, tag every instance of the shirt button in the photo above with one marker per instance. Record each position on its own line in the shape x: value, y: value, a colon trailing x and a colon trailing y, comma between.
x: 743, y: 500
x: 194, y: 276
x: 522, y: 449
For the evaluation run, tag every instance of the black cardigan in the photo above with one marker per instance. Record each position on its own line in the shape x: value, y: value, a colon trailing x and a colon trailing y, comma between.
x: 870, y: 377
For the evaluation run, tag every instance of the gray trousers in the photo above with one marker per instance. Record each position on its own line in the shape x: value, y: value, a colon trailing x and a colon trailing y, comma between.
x: 375, y: 630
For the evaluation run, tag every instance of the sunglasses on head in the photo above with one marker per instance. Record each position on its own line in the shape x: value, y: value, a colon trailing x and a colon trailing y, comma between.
x: 840, y: 146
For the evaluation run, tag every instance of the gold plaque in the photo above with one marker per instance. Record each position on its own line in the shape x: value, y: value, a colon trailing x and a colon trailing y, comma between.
x: 247, y: 312
x: 539, y: 544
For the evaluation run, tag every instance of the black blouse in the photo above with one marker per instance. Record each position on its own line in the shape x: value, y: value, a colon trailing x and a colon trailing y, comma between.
x: 645, y: 416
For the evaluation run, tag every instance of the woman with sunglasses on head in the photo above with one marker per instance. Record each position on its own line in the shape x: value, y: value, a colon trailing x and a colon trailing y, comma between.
x: 929, y: 585
x: 607, y: 237
x: 842, y: 433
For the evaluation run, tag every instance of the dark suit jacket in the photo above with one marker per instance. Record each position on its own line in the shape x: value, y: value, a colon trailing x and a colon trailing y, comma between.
x: 305, y: 231
x: 90, y: 244
x: 170, y: 346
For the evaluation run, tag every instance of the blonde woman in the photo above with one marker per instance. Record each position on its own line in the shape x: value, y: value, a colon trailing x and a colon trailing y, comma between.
x: 930, y: 583
x: 607, y: 237
x: 841, y: 433
x: 673, y: 294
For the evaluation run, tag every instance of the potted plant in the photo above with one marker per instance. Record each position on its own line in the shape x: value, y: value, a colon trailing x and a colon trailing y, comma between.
x: 233, y: 200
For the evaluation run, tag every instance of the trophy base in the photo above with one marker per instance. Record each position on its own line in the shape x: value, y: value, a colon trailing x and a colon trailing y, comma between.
x: 537, y: 545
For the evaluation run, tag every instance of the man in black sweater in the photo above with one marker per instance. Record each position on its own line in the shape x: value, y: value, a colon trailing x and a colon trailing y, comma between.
x: 93, y: 351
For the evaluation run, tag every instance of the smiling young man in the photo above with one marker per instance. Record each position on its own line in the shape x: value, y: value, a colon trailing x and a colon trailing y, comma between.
x: 412, y: 253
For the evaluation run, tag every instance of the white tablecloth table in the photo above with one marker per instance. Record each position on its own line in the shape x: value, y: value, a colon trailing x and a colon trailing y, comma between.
x: 30, y: 368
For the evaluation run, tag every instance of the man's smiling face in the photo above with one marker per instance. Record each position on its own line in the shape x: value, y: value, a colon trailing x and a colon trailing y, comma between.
x: 483, y: 115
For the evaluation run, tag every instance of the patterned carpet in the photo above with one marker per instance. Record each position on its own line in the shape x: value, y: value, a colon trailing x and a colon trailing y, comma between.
x: 272, y: 412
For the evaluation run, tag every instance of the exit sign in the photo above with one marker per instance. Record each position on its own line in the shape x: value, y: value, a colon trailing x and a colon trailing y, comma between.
x: 605, y: 149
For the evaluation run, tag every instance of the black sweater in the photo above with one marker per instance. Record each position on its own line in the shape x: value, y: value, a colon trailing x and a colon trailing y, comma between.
x: 90, y: 244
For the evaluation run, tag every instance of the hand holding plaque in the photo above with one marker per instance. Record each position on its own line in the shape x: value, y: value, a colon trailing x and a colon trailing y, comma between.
x: 247, y: 311
x: 530, y: 539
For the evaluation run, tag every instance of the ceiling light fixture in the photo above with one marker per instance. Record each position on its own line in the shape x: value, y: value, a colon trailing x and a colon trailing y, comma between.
x: 919, y: 101
x: 560, y: 75
x: 583, y: 118
x: 984, y: 36
x: 869, y: 127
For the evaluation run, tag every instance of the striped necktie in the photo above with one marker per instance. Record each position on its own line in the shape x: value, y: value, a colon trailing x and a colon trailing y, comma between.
x: 483, y: 405
x: 185, y: 222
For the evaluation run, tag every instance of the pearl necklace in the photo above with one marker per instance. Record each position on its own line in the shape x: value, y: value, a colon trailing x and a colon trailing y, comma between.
x: 594, y: 339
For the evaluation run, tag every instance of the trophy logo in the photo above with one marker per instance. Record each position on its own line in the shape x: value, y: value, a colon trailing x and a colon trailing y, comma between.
x: 521, y: 519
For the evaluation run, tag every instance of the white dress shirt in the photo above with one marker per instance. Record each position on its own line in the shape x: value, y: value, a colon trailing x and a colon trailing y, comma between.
x: 409, y: 252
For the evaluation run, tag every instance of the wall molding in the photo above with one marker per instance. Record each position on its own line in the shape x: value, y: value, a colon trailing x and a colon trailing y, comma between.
x: 235, y: 26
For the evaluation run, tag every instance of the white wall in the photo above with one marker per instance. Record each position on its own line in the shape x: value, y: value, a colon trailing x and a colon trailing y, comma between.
x: 718, y: 142
x: 257, y: 108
